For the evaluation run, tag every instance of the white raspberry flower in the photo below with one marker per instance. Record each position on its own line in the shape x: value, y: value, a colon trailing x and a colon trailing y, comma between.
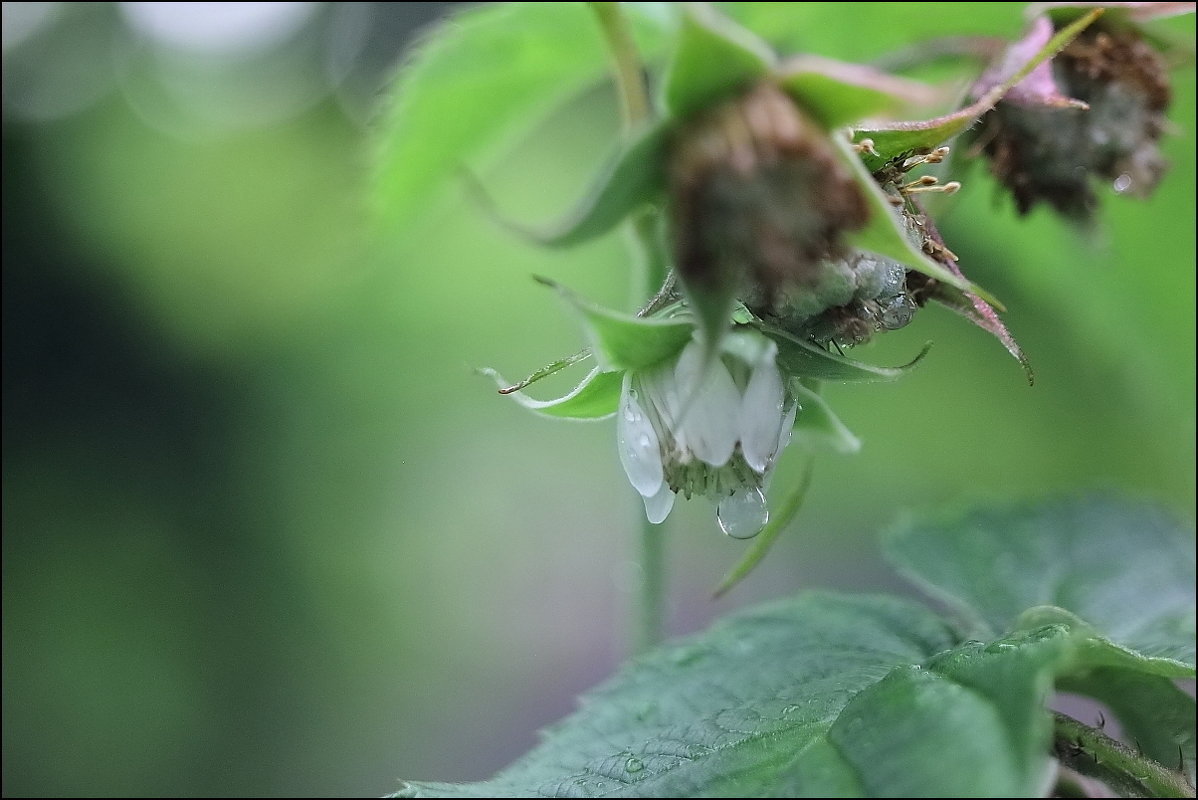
x: 716, y: 434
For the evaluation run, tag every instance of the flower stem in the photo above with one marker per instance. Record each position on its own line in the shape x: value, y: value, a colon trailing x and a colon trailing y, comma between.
x: 650, y: 590
x: 1090, y: 752
x: 626, y: 64
x: 649, y: 257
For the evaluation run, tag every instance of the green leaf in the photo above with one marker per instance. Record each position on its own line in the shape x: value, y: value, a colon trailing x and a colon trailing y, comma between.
x: 622, y: 341
x: 820, y: 696
x: 714, y: 58
x: 818, y: 428
x: 595, y: 397
x: 806, y: 359
x: 884, y: 233
x: 838, y: 93
x: 635, y: 177
x: 1125, y: 568
x: 475, y: 82
x: 901, y: 139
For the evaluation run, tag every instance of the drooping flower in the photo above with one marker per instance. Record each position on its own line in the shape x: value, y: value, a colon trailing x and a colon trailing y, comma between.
x: 789, y: 232
x: 716, y: 433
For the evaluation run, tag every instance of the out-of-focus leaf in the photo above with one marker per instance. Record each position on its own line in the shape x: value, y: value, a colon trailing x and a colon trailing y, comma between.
x: 900, y: 139
x: 806, y: 359
x: 714, y: 57
x: 477, y: 81
x: 595, y: 397
x: 1125, y: 568
x: 622, y: 341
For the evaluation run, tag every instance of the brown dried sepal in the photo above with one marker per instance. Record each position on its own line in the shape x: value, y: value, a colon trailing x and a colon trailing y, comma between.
x: 758, y: 198
x: 1051, y: 153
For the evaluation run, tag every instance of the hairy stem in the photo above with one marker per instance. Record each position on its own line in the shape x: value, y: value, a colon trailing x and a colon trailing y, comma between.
x: 1090, y: 752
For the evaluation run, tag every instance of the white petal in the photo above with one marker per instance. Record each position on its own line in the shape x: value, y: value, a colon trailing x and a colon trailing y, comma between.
x: 762, y: 415
x: 637, y: 443
x: 742, y: 515
x: 658, y: 507
x: 709, y: 426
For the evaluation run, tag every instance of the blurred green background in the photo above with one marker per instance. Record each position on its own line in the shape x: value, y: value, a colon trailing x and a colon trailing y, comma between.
x: 266, y: 533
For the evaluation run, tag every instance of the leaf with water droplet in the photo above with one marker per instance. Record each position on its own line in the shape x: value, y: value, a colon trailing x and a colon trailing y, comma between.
x: 878, y: 703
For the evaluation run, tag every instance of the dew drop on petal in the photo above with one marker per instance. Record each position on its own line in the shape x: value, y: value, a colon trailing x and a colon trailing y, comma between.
x: 658, y: 507
x: 1122, y: 184
x: 761, y: 417
x: 637, y: 444
x: 742, y: 515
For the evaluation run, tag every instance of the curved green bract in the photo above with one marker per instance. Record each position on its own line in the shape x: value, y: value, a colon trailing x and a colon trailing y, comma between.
x: 633, y: 178
x: 596, y: 397
x: 805, y: 359
x: 713, y: 58
x: 837, y: 93
x: 817, y: 427
x: 884, y: 234
x: 623, y: 341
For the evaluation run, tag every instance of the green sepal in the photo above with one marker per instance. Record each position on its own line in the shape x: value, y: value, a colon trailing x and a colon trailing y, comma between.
x: 714, y: 58
x: 595, y: 397
x: 838, y: 93
x: 884, y: 233
x: 633, y: 178
x: 817, y: 427
x: 901, y: 139
x: 623, y: 341
x: 805, y: 359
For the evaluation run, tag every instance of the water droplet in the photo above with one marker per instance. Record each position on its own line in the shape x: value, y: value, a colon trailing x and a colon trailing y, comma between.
x: 1122, y: 184
x: 786, y: 712
x: 644, y: 441
x: 634, y: 764
x: 743, y: 514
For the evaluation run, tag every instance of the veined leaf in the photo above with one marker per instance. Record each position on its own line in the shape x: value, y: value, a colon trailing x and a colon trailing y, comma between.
x: 1125, y: 568
x: 820, y: 696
